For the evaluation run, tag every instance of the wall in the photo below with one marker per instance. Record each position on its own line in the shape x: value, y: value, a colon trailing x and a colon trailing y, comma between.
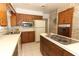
x: 75, y: 25
x: 46, y: 18
x: 53, y: 21
x: 66, y: 6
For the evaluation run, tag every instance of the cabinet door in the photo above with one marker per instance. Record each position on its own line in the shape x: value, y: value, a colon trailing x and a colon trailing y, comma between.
x: 28, y: 36
x: 61, y: 17
x: 3, y: 18
x: 66, y: 53
x: 65, y: 17
x: 50, y: 49
x: 3, y: 14
x: 31, y: 36
x: 19, y: 18
x: 68, y: 15
x: 13, y: 20
x: 43, y: 47
x: 24, y: 37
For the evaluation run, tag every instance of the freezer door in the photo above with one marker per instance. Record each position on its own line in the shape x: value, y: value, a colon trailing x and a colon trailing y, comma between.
x: 38, y: 31
x: 39, y: 23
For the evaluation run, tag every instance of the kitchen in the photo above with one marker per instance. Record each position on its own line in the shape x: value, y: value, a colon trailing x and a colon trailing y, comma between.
x: 27, y: 29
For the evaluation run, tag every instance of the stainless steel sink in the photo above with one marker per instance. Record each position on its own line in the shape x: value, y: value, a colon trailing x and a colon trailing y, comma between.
x: 63, y: 40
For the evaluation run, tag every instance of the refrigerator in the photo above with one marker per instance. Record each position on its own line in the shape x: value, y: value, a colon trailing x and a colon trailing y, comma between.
x: 39, y: 28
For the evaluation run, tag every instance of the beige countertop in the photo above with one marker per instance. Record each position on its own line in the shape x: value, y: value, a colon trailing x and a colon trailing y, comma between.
x: 72, y: 48
x: 8, y: 44
x: 26, y: 29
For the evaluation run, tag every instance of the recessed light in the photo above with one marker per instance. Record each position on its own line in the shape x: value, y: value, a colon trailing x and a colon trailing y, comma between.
x: 43, y: 6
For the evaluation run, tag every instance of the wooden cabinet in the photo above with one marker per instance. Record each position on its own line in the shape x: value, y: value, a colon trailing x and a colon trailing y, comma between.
x: 19, y: 18
x: 13, y: 19
x: 66, y: 53
x: 27, y: 17
x: 4, y: 7
x: 3, y: 14
x: 28, y: 36
x: 48, y: 48
x: 65, y: 17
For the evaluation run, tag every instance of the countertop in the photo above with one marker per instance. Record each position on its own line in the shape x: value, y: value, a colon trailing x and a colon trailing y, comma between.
x: 8, y: 44
x: 72, y: 48
x: 22, y: 29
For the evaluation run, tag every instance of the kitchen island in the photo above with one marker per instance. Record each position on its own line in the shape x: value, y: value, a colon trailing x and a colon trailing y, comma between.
x: 9, y: 43
x: 50, y: 47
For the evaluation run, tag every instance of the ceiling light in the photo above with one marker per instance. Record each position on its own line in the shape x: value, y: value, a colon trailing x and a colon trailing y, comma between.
x: 43, y: 6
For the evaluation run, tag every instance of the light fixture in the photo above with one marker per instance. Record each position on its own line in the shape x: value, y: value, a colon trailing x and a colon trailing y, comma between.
x: 43, y: 7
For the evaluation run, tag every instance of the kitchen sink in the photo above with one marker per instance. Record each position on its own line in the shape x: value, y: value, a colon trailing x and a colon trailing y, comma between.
x: 63, y: 40
x: 9, y: 33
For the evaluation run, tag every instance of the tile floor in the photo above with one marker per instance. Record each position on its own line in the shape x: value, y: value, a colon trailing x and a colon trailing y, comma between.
x: 31, y: 49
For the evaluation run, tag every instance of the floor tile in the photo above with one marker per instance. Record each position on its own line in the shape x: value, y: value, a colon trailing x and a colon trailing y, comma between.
x: 31, y: 49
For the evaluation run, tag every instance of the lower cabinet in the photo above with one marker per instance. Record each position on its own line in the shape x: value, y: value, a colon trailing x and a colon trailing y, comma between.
x: 48, y: 48
x: 28, y: 36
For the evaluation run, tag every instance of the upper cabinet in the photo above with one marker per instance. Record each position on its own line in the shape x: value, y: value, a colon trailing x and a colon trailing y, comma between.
x: 27, y: 17
x: 13, y: 14
x: 4, y: 7
x: 13, y: 19
x: 3, y: 12
x: 65, y: 17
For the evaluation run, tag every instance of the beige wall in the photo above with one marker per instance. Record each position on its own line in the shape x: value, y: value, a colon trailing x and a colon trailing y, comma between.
x: 53, y: 21
x: 75, y: 25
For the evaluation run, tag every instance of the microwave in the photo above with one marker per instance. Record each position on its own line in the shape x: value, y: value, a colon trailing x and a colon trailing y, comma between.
x: 27, y: 24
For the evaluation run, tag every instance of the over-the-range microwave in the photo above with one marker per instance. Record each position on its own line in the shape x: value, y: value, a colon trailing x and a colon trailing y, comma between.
x: 27, y: 24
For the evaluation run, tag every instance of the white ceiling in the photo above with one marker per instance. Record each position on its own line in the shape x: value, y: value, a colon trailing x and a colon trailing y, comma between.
x: 37, y: 6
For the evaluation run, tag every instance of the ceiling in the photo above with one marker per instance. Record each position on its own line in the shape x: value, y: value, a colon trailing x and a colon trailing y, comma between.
x: 44, y: 7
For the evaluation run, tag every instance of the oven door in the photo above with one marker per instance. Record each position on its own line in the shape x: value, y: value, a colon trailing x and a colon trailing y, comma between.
x: 65, y: 31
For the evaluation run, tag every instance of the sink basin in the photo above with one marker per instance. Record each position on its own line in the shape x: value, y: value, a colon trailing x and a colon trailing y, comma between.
x: 9, y: 33
x: 63, y: 40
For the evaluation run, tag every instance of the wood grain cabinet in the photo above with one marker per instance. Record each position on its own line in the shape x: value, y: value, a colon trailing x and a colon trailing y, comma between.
x: 65, y: 17
x: 4, y: 7
x: 28, y: 36
x: 3, y: 14
x: 13, y: 19
x: 48, y: 48
x: 27, y: 17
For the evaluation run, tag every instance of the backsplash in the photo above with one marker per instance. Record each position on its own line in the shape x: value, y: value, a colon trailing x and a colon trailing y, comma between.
x: 3, y: 29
